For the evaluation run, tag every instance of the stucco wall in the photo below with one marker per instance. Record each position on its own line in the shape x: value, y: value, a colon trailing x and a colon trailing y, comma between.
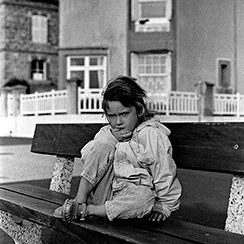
x: 96, y: 24
x: 240, y: 45
x: 205, y: 32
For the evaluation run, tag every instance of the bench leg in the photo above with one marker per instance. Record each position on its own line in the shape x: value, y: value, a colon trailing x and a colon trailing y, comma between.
x: 235, y: 215
x: 62, y: 174
x: 29, y: 232
x: 25, y: 233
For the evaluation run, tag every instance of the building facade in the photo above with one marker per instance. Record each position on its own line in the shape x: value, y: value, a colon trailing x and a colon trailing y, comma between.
x: 168, y: 45
x: 29, y: 32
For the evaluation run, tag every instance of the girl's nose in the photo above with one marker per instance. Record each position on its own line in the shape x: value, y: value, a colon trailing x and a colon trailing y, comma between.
x: 119, y: 120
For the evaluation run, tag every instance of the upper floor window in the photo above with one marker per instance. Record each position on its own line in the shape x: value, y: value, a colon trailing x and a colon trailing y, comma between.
x: 153, y: 71
x: 151, y: 15
x: 39, y: 28
x: 224, y: 76
x: 90, y: 71
x: 38, y: 69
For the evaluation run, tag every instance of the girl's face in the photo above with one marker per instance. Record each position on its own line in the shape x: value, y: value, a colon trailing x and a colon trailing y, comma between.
x: 120, y: 117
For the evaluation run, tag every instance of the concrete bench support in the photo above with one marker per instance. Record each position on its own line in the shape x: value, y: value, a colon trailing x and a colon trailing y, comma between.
x: 235, y: 214
x: 28, y: 232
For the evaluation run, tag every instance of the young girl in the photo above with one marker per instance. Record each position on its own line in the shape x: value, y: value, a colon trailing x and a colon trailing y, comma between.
x: 128, y: 167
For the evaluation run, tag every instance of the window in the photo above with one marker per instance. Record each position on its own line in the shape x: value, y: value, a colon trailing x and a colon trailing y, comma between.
x: 90, y: 71
x: 153, y: 71
x: 224, y: 85
x: 38, y: 69
x: 151, y: 15
x: 39, y: 28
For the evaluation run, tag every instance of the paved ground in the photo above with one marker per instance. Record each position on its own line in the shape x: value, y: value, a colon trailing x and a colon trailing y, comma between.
x: 17, y: 163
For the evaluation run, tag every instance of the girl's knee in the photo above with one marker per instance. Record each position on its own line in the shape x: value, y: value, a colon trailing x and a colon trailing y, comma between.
x: 144, y: 194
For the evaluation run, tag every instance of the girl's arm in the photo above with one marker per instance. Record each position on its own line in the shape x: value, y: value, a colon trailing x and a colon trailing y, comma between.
x: 163, y: 171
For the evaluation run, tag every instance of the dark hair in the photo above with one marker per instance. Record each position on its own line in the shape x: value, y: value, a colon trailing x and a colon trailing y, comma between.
x: 125, y: 90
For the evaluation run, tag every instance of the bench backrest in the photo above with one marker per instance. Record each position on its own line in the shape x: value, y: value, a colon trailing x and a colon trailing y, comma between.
x: 217, y: 147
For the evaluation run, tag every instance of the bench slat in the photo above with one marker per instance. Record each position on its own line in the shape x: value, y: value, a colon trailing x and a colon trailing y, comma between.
x: 17, y: 200
x: 40, y: 211
x: 63, y: 139
x: 37, y: 192
x: 215, y: 147
x: 208, y: 146
x: 192, y: 232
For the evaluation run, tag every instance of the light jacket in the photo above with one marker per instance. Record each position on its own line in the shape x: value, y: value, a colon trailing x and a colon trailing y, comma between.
x: 146, y: 160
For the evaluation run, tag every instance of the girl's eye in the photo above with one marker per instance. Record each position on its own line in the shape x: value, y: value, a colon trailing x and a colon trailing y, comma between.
x: 111, y: 116
x: 124, y: 114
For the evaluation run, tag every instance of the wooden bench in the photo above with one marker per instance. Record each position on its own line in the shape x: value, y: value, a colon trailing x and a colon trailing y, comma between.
x: 202, y: 149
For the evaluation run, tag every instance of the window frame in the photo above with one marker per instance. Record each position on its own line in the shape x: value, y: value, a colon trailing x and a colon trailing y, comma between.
x: 143, y: 24
x: 86, y: 68
x: 222, y: 88
x: 135, y: 66
x: 38, y: 71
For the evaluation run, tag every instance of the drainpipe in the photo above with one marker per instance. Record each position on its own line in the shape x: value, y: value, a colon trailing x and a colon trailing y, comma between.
x: 235, y: 47
x: 4, y: 100
x: 72, y: 96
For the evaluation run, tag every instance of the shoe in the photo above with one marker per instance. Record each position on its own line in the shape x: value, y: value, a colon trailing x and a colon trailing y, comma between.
x: 69, y: 211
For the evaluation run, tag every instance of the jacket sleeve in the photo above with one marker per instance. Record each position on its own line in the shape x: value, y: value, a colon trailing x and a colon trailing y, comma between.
x: 163, y: 171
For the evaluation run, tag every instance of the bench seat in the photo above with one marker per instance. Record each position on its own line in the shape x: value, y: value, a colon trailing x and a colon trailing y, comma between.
x: 197, y: 147
x: 37, y: 204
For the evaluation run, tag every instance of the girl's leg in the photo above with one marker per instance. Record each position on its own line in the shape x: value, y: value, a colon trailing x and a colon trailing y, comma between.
x: 134, y: 201
x: 97, y: 210
x: 84, y: 190
x: 97, y: 175
x: 99, y: 194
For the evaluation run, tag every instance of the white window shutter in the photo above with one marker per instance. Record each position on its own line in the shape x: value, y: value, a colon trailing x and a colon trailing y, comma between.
x: 169, y: 9
x: 39, y: 28
x: 34, y: 28
x: 134, y: 10
x: 43, y: 29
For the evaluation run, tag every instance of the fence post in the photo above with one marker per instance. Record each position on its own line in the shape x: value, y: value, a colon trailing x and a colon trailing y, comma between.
x: 238, y: 100
x: 16, y: 91
x: 53, y: 101
x: 4, y: 101
x: 72, y: 96
x: 167, y: 103
x: 36, y: 103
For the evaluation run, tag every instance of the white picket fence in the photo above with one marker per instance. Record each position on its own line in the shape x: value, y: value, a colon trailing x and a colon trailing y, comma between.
x: 231, y: 104
x: 54, y: 102
x: 174, y: 103
x: 89, y: 101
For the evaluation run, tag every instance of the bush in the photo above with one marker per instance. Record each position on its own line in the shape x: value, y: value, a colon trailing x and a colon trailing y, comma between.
x: 16, y: 81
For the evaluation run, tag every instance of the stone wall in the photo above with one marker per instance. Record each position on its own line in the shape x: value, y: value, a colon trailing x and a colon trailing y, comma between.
x: 18, y: 46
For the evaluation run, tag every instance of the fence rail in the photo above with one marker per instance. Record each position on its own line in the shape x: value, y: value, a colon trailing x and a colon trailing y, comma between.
x: 54, y: 102
x: 89, y: 101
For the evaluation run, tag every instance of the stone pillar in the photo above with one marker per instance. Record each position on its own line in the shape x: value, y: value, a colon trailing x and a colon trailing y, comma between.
x: 205, y: 94
x: 72, y: 96
x: 208, y: 99
x: 4, y: 100
x: 16, y: 91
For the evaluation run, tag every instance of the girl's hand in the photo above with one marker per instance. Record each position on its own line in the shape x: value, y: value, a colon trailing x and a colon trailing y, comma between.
x: 122, y: 135
x: 156, y: 216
